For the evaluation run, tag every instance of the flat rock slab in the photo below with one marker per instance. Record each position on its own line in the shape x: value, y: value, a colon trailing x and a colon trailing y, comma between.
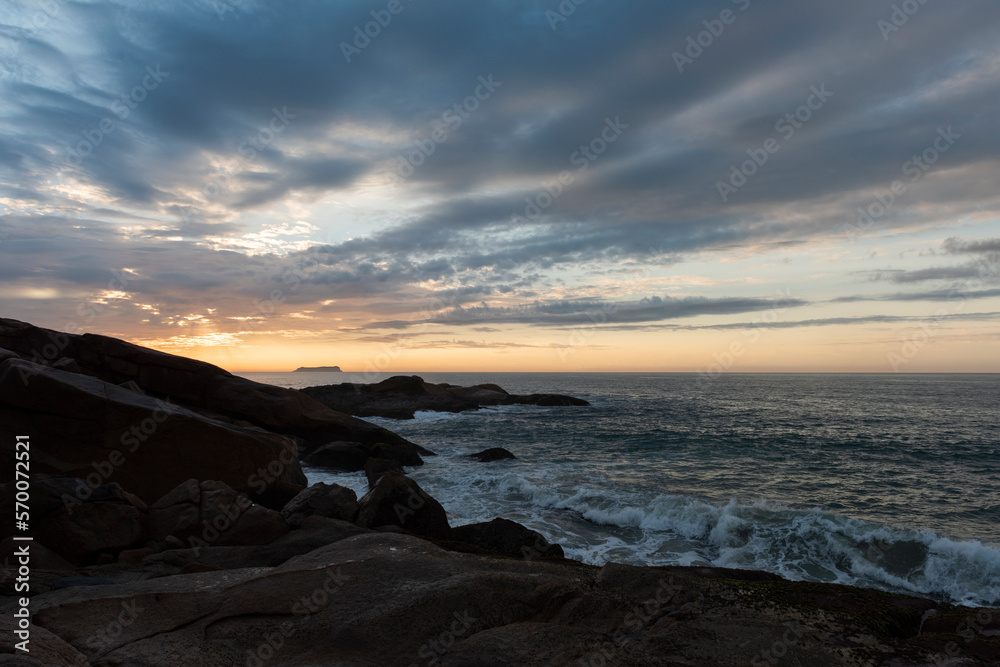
x: 389, y: 599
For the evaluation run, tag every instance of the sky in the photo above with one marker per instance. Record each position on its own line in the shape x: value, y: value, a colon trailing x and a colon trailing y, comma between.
x: 508, y: 185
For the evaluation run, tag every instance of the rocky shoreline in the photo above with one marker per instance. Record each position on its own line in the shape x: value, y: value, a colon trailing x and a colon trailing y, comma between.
x: 173, y: 526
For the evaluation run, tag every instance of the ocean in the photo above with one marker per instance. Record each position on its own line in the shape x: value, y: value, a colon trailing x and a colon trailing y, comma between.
x: 882, y: 481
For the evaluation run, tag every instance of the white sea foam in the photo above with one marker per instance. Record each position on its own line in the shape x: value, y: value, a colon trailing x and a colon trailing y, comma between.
x: 597, y: 524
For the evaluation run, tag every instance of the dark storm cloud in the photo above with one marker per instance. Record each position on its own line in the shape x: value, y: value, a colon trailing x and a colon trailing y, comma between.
x: 266, y: 87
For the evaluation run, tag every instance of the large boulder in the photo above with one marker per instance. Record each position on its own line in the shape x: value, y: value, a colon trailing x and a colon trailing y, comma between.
x: 401, y: 454
x: 327, y: 500
x: 396, y: 500
x: 81, y: 527
x: 346, y: 456
x: 211, y: 513
x: 85, y: 427
x: 507, y: 538
x: 375, y: 468
x: 194, y: 384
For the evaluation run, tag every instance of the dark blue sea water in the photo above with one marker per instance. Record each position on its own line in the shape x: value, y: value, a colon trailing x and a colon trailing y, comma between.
x: 887, y: 481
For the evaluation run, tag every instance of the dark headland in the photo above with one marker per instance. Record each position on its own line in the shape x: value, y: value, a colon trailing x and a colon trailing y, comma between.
x: 173, y: 525
x: 401, y: 396
x: 318, y: 369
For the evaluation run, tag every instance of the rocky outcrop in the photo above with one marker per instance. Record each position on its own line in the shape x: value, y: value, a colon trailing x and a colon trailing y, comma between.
x: 506, y: 538
x: 347, y: 456
x: 80, y: 525
x: 354, y: 456
x: 401, y: 396
x: 375, y: 468
x: 109, y: 521
x: 193, y: 384
x: 385, y: 599
x: 492, y: 454
x: 324, y: 500
x: 84, y: 427
x: 121, y: 575
x: 396, y: 500
x: 209, y: 512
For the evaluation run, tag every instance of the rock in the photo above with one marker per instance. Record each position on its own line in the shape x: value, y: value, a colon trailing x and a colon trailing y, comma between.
x: 313, y: 533
x: 84, y: 427
x: 134, y: 555
x: 492, y: 387
x: 400, y: 397
x: 279, y: 494
x: 67, y: 364
x: 492, y: 454
x: 412, y: 385
x: 131, y: 385
x: 507, y: 538
x: 375, y: 468
x: 196, y: 385
x: 347, y: 456
x: 173, y: 542
x: 389, y: 599
x: 71, y: 582
x: 325, y: 500
x: 45, y: 648
x: 106, y: 523
x: 42, y: 558
x: 478, y: 395
x: 401, y: 454
x: 396, y: 500
x: 210, y: 513
x: 6, y: 354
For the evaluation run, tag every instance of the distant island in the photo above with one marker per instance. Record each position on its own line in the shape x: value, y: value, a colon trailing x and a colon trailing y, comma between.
x: 318, y: 369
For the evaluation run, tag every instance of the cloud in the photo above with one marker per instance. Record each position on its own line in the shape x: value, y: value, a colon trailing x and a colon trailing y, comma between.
x: 958, y: 246
x: 818, y: 322
x: 255, y: 126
